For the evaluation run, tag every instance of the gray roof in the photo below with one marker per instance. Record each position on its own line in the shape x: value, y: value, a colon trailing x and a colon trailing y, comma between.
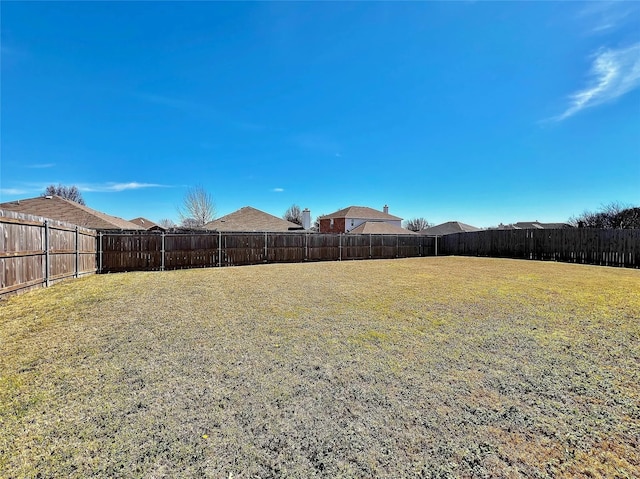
x: 362, y: 213
x: 250, y: 219
x: 450, y: 227
x: 61, y: 209
x: 541, y: 226
x: 532, y: 225
x: 380, y: 228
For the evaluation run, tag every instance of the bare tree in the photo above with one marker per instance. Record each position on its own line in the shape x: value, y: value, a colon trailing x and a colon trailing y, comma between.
x: 417, y: 224
x: 316, y: 223
x: 197, y: 208
x: 190, y: 223
x: 293, y: 214
x: 629, y: 218
x: 71, y: 193
x: 614, y: 216
x: 167, y: 224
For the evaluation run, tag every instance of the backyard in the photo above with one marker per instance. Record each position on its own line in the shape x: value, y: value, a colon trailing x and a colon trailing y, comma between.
x: 425, y: 367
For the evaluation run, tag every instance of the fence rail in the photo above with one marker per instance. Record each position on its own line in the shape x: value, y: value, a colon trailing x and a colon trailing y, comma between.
x: 36, y: 251
x: 607, y: 247
x: 149, y: 251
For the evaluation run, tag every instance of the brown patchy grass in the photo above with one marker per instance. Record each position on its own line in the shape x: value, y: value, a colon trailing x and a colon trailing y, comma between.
x: 432, y: 367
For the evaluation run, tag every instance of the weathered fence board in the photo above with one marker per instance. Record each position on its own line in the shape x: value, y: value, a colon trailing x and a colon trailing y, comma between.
x: 36, y: 251
x: 323, y: 247
x: 607, y: 247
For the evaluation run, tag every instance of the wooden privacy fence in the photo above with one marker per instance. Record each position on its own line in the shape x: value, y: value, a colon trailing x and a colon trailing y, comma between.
x: 140, y: 251
x: 607, y: 247
x: 36, y: 252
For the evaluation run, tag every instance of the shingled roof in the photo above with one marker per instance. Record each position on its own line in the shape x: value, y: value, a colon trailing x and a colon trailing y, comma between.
x: 251, y: 220
x: 361, y: 212
x: 380, y: 228
x: 146, y: 224
x: 540, y: 226
x: 448, y: 228
x: 61, y: 209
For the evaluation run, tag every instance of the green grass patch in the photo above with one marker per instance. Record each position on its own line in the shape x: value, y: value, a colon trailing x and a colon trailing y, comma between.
x: 424, y: 367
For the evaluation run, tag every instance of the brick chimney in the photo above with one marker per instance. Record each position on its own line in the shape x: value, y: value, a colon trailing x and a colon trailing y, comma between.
x: 385, y: 209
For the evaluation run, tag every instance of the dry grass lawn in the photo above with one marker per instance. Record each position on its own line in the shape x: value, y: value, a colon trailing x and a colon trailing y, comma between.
x: 425, y: 367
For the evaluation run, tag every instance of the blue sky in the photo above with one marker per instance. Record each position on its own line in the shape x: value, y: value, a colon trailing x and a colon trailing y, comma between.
x: 480, y: 112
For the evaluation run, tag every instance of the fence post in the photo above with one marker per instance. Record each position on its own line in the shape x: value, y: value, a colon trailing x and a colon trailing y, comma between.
x: 266, y: 239
x: 162, y: 259
x: 100, y: 252
x: 370, y: 246
x: 397, y: 246
x: 306, y: 246
x: 219, y: 248
x: 435, y: 242
x: 530, y: 243
x: 47, y: 259
x: 77, y: 254
x: 339, y: 246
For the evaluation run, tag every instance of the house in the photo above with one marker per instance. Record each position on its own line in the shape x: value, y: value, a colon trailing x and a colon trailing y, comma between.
x: 380, y: 228
x: 524, y: 225
x: 147, y: 224
x: 347, y: 219
x: 61, y: 209
x: 533, y: 225
x: 248, y: 219
x: 450, y: 227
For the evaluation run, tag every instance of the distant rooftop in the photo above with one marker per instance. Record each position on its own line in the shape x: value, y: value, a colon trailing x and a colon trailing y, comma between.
x: 248, y: 219
x: 61, y: 209
x: 361, y: 212
x: 145, y: 223
x: 450, y: 227
x: 380, y: 228
x: 533, y: 225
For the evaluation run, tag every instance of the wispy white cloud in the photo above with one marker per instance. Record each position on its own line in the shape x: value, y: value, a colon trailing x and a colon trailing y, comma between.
x: 24, y: 188
x: 613, y: 74
x: 41, y: 166
x: 36, y: 189
x: 13, y: 191
x: 278, y: 190
x: 176, y: 103
x: 603, y: 17
x: 117, y: 187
